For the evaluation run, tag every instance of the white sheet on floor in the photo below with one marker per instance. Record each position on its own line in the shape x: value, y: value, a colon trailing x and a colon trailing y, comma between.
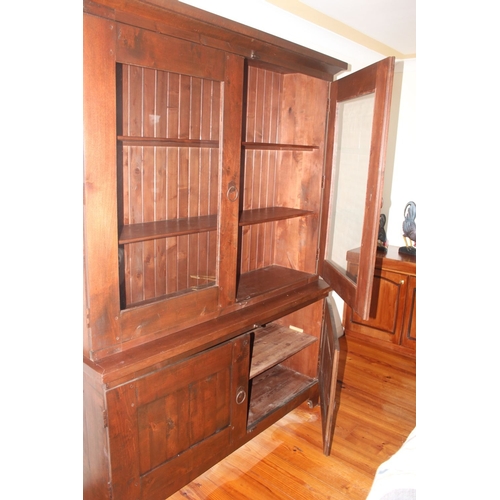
x: 395, y: 478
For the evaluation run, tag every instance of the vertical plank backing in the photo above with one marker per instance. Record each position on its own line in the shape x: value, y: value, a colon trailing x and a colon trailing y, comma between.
x: 303, y: 121
x: 160, y: 183
x: 264, y: 95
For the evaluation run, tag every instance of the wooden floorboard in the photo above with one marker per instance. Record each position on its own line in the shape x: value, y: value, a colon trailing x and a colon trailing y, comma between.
x: 376, y: 412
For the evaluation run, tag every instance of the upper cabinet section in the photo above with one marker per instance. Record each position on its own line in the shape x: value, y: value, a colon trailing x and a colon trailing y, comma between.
x: 285, y: 116
x: 162, y: 134
x: 208, y: 156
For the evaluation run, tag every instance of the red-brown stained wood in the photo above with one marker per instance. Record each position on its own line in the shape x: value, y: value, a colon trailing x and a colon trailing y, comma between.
x: 167, y: 184
x: 273, y: 344
x: 95, y: 463
x: 376, y: 79
x: 124, y: 442
x: 100, y: 181
x: 409, y: 331
x: 273, y: 389
x: 309, y: 319
x: 281, y: 109
x: 163, y: 415
x: 392, y: 317
x: 228, y: 208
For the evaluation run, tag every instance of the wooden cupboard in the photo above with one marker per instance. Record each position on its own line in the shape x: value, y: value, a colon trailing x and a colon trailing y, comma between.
x: 392, y: 320
x: 210, y: 173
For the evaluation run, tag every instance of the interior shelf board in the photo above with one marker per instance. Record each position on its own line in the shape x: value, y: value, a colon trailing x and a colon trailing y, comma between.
x: 269, y: 214
x: 273, y: 389
x: 279, y: 146
x: 269, y: 279
x: 166, y: 142
x: 273, y: 344
x: 133, y: 233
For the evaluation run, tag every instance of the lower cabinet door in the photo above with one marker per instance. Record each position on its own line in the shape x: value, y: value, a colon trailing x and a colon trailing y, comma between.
x: 169, y: 426
x: 409, y: 332
x: 387, y: 307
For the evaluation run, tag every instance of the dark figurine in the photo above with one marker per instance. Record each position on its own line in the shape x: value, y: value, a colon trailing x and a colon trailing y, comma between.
x: 382, y: 236
x: 410, y: 229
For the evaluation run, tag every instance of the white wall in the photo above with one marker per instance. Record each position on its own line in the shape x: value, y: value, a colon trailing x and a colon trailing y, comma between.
x: 401, y: 168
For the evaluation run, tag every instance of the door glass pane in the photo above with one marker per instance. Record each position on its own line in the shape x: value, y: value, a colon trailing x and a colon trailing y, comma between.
x: 350, y: 173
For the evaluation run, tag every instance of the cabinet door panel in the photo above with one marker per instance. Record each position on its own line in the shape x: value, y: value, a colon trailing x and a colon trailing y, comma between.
x: 358, y: 129
x: 409, y: 331
x: 162, y: 158
x: 386, y: 310
x: 328, y: 371
x: 177, y: 418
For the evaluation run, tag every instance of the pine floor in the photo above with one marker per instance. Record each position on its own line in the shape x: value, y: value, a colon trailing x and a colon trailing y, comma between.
x: 376, y: 412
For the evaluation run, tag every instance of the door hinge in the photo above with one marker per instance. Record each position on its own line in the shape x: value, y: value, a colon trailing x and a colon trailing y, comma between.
x: 105, y: 418
x: 322, y: 182
x: 87, y: 317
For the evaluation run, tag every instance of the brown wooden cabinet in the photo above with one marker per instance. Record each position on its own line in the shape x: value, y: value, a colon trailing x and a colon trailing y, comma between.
x: 209, y: 173
x: 392, y: 319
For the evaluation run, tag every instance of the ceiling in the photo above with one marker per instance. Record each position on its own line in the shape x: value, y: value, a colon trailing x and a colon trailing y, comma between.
x: 384, y: 25
x: 387, y: 27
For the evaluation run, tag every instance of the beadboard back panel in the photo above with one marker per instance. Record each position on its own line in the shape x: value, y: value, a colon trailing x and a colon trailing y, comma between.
x: 160, y: 181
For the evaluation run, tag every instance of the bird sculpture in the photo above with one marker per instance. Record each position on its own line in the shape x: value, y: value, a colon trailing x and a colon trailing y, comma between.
x: 382, y: 243
x: 410, y: 229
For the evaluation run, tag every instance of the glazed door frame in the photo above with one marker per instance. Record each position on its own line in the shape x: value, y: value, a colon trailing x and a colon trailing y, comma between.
x: 375, y: 79
x: 106, y: 44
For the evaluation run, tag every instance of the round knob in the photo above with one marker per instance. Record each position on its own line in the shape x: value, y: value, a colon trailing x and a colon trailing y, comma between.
x: 402, y: 282
x: 232, y: 192
x: 241, y: 395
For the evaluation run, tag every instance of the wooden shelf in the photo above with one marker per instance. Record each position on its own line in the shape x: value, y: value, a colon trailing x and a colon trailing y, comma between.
x: 270, y: 279
x: 278, y: 147
x: 166, y: 142
x: 133, y: 233
x: 273, y: 389
x: 275, y: 343
x: 269, y: 214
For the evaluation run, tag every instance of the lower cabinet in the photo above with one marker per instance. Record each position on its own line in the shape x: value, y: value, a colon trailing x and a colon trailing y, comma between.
x: 392, y: 320
x: 165, y: 423
x: 167, y: 426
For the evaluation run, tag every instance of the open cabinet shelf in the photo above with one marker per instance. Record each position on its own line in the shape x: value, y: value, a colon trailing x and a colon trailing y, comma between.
x: 269, y: 279
x: 273, y: 389
x: 273, y: 385
x: 166, y: 142
x: 274, y: 343
x: 278, y: 147
x: 145, y: 231
x: 269, y: 214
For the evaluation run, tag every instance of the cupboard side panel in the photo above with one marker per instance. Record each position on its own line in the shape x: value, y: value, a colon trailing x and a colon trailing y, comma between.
x: 100, y: 207
x: 95, y: 443
x: 124, y: 442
